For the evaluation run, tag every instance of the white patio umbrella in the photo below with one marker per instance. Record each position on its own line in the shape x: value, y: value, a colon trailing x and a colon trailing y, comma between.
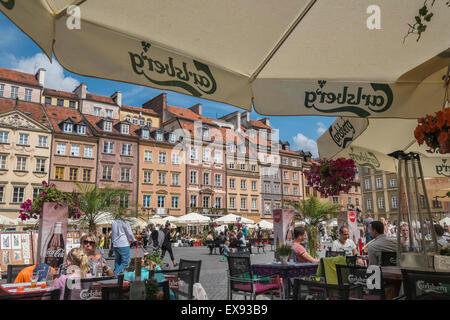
x: 446, y: 220
x: 193, y: 219
x: 137, y: 223
x: 306, y: 57
x: 27, y: 222
x: 265, y: 225
x: 155, y: 220
x: 369, y: 141
x: 232, y: 218
x: 8, y: 221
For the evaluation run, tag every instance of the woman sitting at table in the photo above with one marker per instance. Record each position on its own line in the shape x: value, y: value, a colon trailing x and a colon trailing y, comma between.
x: 301, y: 255
x: 89, y: 244
x: 77, y: 267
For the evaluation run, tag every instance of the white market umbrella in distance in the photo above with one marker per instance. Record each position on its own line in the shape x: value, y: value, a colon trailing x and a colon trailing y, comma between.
x: 248, y: 53
x: 232, y: 218
x: 446, y: 220
x: 8, y: 221
x: 193, y: 219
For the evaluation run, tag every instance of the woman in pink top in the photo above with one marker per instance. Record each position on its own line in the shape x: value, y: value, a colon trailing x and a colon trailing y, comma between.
x: 77, y: 261
x: 301, y: 255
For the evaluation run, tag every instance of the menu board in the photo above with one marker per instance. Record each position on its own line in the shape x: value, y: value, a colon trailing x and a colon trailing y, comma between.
x: 73, y: 240
x: 15, y: 248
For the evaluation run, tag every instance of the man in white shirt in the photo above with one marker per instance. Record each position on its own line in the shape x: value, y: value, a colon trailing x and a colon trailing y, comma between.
x: 343, y: 243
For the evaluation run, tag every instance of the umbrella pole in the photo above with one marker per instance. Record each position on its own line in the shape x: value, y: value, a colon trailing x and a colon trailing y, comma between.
x: 433, y: 232
x: 409, y: 201
x: 400, y: 207
x: 419, y: 210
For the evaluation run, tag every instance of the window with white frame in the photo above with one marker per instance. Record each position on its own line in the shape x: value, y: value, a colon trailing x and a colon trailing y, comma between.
x: 231, y: 165
x: 162, y: 178
x: 266, y: 187
x: 285, y: 161
x: 218, y: 180
x: 107, y: 173
x: 2, y: 194
x: 381, y: 203
x: 159, y: 136
x: 243, y: 184
x: 145, y: 133
x: 367, y: 184
x: 125, y: 200
x: 193, y: 177
x: 125, y: 128
x: 3, y: 158
x: 28, y: 93
x: 107, y: 126
x: 294, y: 163
x: 218, y: 156
x: 149, y: 123
x: 232, y: 203
x: 23, y: 139
x: 14, y: 92
x: 40, y: 165
x: 97, y: 111
x: 172, y: 138
x: 61, y: 148
x: 126, y: 149
x: 175, y: 179
x: 242, y: 166
x: 2, y: 90
x: 285, y: 175
x: 193, y: 154
x: 295, y: 191
x: 232, y: 148
x: 286, y: 190
x: 254, y: 204
x: 175, y: 158
x: 393, y: 183
x: 206, y: 180
x: 68, y: 127
x: 108, y: 147
x: 175, y: 202
x: 379, y: 183
x: 232, y: 183
x: 394, y: 202
x: 253, y: 167
x: 147, y: 176
x: 254, y: 185
x: 146, y: 202
x: 350, y: 200
x: 243, y: 203
x: 75, y: 150
x: 276, y: 187
x: 42, y: 141
x: 162, y: 157
x: 135, y: 121
x: 193, y: 201
x: 142, y: 122
x: 369, y: 204
x: 206, y: 155
x: 109, y: 113
x: 21, y: 163
x: 335, y: 200
x: 205, y: 132
x: 88, y: 152
x: 218, y: 202
x: 357, y: 201
x: 4, y: 136
x: 148, y: 156
x: 125, y: 174
x: 294, y: 176
x: 206, y: 203
x: 18, y: 193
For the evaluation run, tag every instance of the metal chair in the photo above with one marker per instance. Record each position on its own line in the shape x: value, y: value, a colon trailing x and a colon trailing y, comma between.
x: 351, y: 260
x: 388, y: 258
x: 330, y: 253
x: 88, y: 288
x: 242, y: 281
x: 14, y: 270
x: 355, y: 275
x: 425, y: 285
x: 164, y: 286
x: 309, y: 289
x: 196, y: 264
x: 181, y: 282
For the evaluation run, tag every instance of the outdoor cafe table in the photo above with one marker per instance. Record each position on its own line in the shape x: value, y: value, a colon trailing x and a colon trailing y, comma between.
x: 291, y: 270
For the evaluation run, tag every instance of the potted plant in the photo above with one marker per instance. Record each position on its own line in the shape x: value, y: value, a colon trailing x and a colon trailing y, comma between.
x: 283, y: 251
x: 331, y: 177
x: 434, y: 131
x: 33, y: 209
x: 153, y: 259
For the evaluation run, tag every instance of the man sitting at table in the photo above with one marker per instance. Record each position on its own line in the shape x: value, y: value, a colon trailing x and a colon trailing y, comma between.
x: 381, y: 243
x: 26, y: 273
x: 343, y: 243
x: 300, y: 252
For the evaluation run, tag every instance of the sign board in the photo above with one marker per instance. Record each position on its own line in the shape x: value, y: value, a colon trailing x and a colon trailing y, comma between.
x: 283, y: 225
x: 174, y: 282
x: 15, y: 249
x: 53, y: 234
x: 352, y: 224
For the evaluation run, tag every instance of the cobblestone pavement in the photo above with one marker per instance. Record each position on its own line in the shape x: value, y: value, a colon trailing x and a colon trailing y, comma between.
x: 213, y: 274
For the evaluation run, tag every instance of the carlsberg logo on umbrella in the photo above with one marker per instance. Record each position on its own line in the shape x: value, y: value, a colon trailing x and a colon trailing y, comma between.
x: 443, y: 169
x: 342, y: 133
x: 195, y: 77
x: 366, y: 159
x: 376, y: 98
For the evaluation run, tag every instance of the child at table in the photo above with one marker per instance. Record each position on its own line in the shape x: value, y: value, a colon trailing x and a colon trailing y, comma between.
x: 77, y: 267
x: 226, y: 250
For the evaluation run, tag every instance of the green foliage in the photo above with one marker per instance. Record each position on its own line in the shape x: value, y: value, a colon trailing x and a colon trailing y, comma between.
x: 94, y: 201
x: 206, y: 231
x: 151, y: 289
x: 283, y: 250
x: 313, y: 211
x: 155, y: 256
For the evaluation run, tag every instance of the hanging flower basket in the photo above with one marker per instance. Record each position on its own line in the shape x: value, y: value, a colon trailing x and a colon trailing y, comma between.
x: 434, y: 131
x: 33, y: 209
x: 332, y: 177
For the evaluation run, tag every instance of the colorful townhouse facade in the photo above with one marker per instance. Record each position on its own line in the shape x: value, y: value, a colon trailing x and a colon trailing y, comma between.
x: 291, y: 174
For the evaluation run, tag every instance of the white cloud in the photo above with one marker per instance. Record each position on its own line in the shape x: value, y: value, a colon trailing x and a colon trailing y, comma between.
x: 304, y: 143
x: 54, y: 77
x: 321, y: 129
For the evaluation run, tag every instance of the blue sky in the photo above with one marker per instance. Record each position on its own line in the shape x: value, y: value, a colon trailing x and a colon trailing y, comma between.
x: 19, y: 52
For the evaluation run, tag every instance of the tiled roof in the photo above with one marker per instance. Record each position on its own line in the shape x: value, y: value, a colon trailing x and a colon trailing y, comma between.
x: 103, y: 99
x: 94, y: 120
x: 259, y: 124
x: 19, y: 77
x: 289, y: 152
x: 189, y: 114
x: 215, y: 133
x: 137, y: 109
x: 62, y: 94
x: 34, y: 110
x: 58, y: 114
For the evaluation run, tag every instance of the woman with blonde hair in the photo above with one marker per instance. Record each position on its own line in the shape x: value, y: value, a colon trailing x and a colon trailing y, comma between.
x: 96, y: 261
x: 77, y: 267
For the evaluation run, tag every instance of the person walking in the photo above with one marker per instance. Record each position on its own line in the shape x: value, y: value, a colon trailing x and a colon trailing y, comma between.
x: 366, y: 223
x: 121, y: 237
x: 166, y: 244
x: 111, y: 248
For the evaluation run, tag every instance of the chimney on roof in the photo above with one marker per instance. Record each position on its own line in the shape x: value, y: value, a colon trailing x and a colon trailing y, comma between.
x: 80, y: 91
x: 197, y: 109
x: 40, y: 76
x: 266, y: 121
x: 245, y: 116
x: 117, y: 97
x: 159, y: 105
x: 285, y: 145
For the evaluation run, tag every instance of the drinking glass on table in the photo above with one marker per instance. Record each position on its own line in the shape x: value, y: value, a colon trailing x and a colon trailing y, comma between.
x: 34, y: 279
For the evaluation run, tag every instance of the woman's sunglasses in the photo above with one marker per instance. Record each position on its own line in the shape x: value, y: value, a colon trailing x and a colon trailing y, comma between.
x: 92, y: 243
